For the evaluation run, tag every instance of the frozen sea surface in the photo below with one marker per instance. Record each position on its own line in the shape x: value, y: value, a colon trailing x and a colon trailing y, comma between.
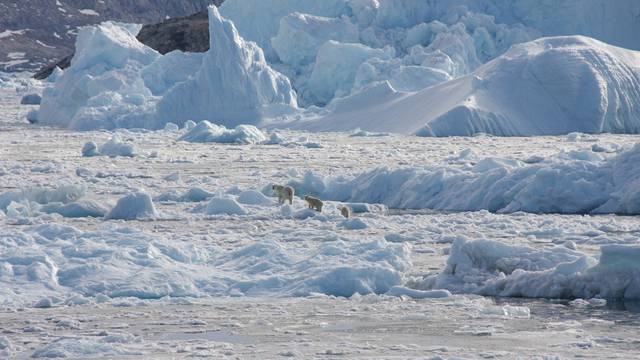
x: 238, y: 309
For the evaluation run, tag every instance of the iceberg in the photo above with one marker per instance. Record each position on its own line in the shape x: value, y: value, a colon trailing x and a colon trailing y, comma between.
x: 550, y: 86
x: 117, y: 82
x: 234, y: 84
x: 436, y: 68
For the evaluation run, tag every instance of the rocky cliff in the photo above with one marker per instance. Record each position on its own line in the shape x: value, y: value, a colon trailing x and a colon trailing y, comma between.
x: 34, y: 33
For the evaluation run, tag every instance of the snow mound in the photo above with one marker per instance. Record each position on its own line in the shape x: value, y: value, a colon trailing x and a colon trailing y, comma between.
x: 134, y: 206
x: 65, y: 200
x: 194, y: 194
x: 61, y: 262
x: 565, y: 84
x: 354, y: 224
x: 206, y: 132
x: 31, y: 99
x: 42, y: 195
x: 224, y: 206
x: 578, y: 182
x: 253, y: 197
x: 78, y: 209
x: 90, y: 149
x: 112, y: 148
x: 496, y: 269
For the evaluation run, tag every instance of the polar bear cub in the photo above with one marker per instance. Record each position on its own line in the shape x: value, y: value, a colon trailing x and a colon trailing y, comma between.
x: 345, y: 211
x: 314, y: 203
x: 284, y: 193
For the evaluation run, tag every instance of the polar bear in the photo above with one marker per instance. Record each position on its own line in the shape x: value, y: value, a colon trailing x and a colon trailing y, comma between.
x: 284, y: 193
x: 345, y: 211
x: 314, y: 203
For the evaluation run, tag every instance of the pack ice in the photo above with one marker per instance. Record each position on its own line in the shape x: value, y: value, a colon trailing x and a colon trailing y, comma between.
x: 49, y: 265
x: 493, y: 268
x: 575, y: 182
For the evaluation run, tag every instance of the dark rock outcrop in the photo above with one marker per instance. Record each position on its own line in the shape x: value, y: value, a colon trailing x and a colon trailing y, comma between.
x: 40, y: 32
x: 189, y: 34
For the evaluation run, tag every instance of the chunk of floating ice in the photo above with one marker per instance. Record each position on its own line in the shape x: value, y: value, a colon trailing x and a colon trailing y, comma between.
x: 171, y: 127
x: 90, y: 149
x: 64, y: 193
x: 206, y: 132
x: 253, y: 197
x: 418, y: 294
x: 225, y: 206
x: 116, y: 147
x: 522, y: 312
x: 496, y: 269
x: 354, y: 224
x: 78, y: 209
x: 135, y: 206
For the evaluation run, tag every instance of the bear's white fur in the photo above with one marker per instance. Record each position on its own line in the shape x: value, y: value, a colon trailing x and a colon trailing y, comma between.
x: 314, y: 203
x: 284, y: 193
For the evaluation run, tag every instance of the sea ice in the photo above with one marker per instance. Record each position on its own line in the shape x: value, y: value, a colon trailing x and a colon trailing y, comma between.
x: 205, y: 132
x: 135, y: 206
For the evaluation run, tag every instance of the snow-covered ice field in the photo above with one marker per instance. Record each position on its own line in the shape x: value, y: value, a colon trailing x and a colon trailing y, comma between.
x: 189, y: 279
